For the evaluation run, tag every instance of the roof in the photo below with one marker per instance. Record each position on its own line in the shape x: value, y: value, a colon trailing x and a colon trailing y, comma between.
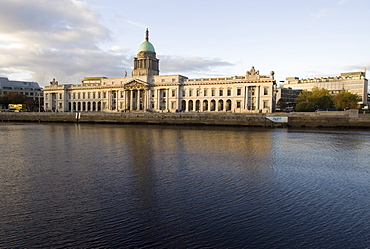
x: 146, y: 46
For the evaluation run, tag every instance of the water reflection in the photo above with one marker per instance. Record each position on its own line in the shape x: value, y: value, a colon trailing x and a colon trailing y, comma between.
x: 67, y: 185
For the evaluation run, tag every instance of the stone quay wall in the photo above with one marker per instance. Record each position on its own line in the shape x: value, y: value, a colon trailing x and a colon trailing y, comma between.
x: 350, y: 118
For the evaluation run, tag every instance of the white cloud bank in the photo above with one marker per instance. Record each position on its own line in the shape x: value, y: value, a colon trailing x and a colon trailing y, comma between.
x: 41, y: 40
x: 59, y: 39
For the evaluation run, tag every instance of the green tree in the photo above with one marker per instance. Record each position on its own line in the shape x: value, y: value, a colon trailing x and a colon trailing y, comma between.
x: 281, y: 104
x: 346, y: 99
x: 13, y: 98
x: 318, y: 98
x: 305, y: 107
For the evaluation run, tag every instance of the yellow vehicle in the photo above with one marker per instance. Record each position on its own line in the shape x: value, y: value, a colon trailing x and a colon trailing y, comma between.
x: 17, y: 108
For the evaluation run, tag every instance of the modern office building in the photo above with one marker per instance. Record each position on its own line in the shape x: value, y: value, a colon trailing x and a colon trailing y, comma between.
x: 354, y: 82
x: 31, y: 90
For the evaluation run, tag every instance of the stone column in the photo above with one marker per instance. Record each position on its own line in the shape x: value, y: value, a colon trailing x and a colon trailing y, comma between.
x: 246, y: 104
x: 138, y: 100
x: 131, y: 99
x: 124, y: 99
x: 258, y: 97
x: 109, y: 100
x: 167, y: 98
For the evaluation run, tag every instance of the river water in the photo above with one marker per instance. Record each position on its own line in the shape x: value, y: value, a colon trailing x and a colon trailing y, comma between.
x: 127, y: 186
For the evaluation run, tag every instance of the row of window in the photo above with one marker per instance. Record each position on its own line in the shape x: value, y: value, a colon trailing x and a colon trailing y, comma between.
x: 185, y: 93
x: 25, y: 93
x: 205, y: 92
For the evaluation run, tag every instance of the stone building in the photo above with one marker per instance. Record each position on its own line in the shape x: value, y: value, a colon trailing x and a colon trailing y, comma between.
x: 147, y: 90
x: 354, y: 82
x: 31, y: 90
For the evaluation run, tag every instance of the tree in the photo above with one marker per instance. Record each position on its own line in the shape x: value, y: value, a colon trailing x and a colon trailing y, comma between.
x: 281, y: 104
x: 13, y: 98
x: 346, y: 99
x: 305, y: 107
x: 318, y: 98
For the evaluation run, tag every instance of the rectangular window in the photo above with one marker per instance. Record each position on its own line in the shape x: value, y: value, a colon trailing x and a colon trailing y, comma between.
x: 265, y: 91
x: 238, y: 104
x: 152, y: 93
x: 198, y: 92
x: 228, y: 92
x: 190, y: 93
x: 239, y: 91
x: 183, y: 93
x: 104, y: 95
x: 173, y: 93
x: 213, y: 92
x: 79, y: 95
x: 205, y: 92
x: 265, y: 104
x: 173, y: 104
x: 83, y: 95
x: 164, y: 93
x: 221, y: 92
x: 88, y: 95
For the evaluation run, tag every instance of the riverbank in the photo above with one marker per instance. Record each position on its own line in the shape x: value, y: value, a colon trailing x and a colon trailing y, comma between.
x: 350, y: 118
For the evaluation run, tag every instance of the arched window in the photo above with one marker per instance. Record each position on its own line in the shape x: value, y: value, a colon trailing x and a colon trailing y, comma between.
x: 213, y: 105
x: 197, y: 105
x: 183, y: 105
x: 220, y: 105
x: 205, y: 105
x: 191, y: 108
x: 228, y: 105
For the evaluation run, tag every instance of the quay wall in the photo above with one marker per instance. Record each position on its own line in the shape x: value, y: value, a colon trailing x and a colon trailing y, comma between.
x: 350, y: 118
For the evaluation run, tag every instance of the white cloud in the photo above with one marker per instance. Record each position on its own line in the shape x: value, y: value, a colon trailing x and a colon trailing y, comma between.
x: 192, y: 64
x: 360, y: 67
x: 59, y: 40
x: 320, y: 13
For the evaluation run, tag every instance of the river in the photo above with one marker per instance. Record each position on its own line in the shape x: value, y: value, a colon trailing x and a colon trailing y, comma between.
x: 147, y: 186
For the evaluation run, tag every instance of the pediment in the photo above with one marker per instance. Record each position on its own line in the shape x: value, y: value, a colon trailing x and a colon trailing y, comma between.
x: 136, y: 84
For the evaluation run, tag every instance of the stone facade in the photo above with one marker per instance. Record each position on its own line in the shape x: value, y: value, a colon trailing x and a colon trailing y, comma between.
x: 146, y: 90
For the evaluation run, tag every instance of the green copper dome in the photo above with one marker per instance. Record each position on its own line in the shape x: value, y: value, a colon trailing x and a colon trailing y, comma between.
x: 146, y: 46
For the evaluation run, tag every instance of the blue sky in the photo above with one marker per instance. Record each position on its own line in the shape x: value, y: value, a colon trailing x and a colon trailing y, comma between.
x: 71, y: 39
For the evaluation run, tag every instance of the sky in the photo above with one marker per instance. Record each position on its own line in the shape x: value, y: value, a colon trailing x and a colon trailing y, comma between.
x: 72, y: 39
